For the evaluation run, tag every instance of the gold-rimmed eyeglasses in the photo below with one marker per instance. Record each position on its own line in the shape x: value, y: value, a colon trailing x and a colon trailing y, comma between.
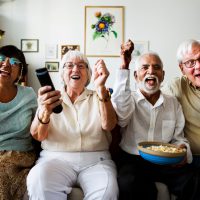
x: 71, y: 65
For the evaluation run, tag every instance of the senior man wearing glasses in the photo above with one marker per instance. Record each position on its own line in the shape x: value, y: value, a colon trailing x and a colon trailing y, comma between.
x: 187, y: 90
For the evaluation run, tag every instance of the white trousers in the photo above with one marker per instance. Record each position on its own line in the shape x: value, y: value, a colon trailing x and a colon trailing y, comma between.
x: 55, y: 173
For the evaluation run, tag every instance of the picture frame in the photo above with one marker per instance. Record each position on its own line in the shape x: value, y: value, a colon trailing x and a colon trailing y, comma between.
x: 30, y: 45
x: 51, y: 51
x: 52, y: 66
x: 140, y: 47
x: 104, y: 31
x: 65, y: 48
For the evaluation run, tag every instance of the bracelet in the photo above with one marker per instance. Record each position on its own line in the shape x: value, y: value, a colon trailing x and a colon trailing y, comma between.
x: 41, y: 120
x: 107, y: 98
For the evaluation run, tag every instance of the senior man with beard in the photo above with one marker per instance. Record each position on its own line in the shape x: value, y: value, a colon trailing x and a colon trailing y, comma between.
x: 147, y: 115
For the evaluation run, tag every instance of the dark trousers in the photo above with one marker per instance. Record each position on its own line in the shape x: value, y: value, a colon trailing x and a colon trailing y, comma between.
x: 137, y: 177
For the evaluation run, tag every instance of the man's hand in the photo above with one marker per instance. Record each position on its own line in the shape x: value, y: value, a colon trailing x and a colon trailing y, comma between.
x: 126, y: 51
x: 184, y: 161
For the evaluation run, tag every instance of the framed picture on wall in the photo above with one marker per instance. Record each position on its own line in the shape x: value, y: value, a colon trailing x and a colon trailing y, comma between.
x: 30, y: 45
x: 52, y: 66
x: 51, y: 51
x: 104, y: 30
x: 140, y: 47
x: 67, y: 47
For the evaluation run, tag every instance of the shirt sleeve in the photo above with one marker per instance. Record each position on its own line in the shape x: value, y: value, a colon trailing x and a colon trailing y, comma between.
x: 34, y: 103
x: 178, y: 137
x: 172, y: 88
x: 121, y: 98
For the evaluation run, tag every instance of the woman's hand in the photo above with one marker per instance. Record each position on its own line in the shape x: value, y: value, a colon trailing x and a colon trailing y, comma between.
x: 48, y: 100
x: 100, y: 73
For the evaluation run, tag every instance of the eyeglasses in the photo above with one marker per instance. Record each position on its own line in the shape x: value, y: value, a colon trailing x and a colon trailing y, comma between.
x: 191, y: 63
x: 70, y: 65
x: 13, y: 61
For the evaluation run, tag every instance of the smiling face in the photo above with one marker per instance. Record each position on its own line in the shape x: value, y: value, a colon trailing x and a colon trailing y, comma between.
x: 12, y: 65
x: 150, y: 74
x: 75, y: 74
x: 192, y: 73
x: 9, y: 71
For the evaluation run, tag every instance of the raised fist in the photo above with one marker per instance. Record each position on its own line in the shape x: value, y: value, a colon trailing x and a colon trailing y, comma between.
x: 126, y: 51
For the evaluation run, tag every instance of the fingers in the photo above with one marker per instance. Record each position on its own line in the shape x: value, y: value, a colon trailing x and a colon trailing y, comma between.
x: 100, y: 67
x: 127, y: 48
x: 100, y: 73
x: 182, y: 146
x: 130, y: 45
x: 43, y: 90
x: 48, y: 99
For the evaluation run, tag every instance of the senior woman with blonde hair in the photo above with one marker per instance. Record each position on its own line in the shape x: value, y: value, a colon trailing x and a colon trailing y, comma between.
x: 75, y: 142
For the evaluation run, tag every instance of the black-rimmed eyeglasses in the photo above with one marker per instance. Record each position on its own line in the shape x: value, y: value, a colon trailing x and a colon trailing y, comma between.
x: 191, y: 63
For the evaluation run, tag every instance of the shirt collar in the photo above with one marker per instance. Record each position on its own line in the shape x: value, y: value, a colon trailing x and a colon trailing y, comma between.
x: 159, y: 102
x: 83, y: 96
x: 193, y: 86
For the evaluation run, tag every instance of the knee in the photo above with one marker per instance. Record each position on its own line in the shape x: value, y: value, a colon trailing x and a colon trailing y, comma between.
x: 39, y: 177
x: 104, y: 188
x: 111, y: 192
x: 126, y: 182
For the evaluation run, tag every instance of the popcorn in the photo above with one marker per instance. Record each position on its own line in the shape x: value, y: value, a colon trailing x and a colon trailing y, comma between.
x: 167, y: 149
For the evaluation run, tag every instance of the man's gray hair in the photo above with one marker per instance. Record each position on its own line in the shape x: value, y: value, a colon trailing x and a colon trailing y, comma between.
x: 76, y: 54
x: 149, y: 53
x: 184, y: 48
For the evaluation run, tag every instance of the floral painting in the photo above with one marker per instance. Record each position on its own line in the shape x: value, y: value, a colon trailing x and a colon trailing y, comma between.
x: 103, y: 30
x: 104, y: 26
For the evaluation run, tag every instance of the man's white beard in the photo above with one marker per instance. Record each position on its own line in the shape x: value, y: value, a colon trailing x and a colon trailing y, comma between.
x: 142, y: 85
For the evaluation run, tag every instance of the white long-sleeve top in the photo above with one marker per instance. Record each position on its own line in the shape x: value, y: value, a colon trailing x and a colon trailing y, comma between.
x: 142, y: 121
x: 78, y: 127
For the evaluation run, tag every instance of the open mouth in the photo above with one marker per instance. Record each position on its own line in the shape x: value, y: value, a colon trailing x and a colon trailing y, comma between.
x: 150, y: 81
x: 197, y: 75
x: 4, y: 73
x: 75, y: 77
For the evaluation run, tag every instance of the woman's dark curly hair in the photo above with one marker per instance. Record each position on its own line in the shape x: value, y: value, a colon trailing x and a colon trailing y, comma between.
x: 12, y: 51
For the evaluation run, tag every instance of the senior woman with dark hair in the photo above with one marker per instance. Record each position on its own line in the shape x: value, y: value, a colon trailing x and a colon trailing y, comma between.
x: 17, y: 109
x: 75, y: 142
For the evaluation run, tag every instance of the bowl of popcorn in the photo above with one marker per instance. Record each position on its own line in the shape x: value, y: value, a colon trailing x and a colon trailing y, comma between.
x: 161, y: 153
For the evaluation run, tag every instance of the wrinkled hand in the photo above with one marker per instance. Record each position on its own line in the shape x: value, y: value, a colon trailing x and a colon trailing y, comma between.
x: 48, y: 100
x: 126, y: 51
x: 100, y: 73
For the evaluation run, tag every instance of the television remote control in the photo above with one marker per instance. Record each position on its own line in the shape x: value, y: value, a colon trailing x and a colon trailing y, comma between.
x: 45, y: 79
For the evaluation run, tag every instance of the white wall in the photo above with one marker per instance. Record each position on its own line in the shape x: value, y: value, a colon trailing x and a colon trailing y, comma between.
x: 164, y: 23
